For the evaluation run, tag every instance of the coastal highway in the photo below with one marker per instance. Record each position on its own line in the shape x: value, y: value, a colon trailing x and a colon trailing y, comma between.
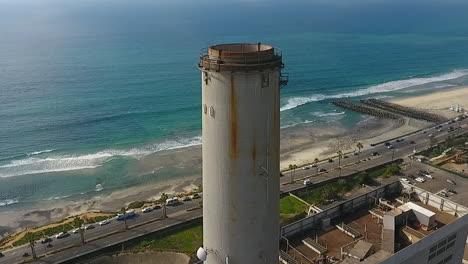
x: 400, y: 149
x: 176, y: 214
x: 179, y: 213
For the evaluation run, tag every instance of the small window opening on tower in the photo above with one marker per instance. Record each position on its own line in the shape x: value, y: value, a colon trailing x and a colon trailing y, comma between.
x: 206, y: 77
x: 265, y: 80
x: 205, y: 109
x: 212, y: 111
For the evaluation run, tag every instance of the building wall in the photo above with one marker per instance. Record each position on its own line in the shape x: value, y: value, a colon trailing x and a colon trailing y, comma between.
x: 240, y: 116
x: 445, y: 245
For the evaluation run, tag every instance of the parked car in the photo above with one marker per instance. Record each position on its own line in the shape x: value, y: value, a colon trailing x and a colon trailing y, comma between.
x: 322, y: 170
x: 420, y: 179
x: 355, y: 153
x: 452, y: 191
x: 104, y: 222
x: 25, y: 254
x: 186, y: 198
x: 412, y: 142
x: 387, y: 144
x: 390, y: 147
x: 405, y: 180
x: 425, y: 174
x: 313, y: 166
x: 172, y: 201
x: 146, y: 210
x: 443, y: 194
x: 411, y: 177
x: 330, y: 160
x: 46, y: 240
x: 1, y: 254
x: 375, y: 153
x: 195, y: 196
x: 76, y: 231
x: 451, y: 182
x: 61, y: 235
x: 307, y: 182
x: 372, y: 145
x: 89, y: 227
x: 156, y: 207
x: 305, y: 167
x: 345, y: 157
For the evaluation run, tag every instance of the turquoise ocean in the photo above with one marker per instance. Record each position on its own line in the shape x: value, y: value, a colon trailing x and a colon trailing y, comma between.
x: 77, y: 112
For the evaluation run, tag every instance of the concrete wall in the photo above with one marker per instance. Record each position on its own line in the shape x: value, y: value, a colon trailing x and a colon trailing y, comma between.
x: 240, y: 117
x: 142, y: 258
x: 420, y: 251
x: 436, y: 201
x: 315, y: 221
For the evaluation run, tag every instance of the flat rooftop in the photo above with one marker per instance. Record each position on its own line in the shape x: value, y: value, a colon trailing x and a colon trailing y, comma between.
x: 439, y: 183
x: 367, y: 223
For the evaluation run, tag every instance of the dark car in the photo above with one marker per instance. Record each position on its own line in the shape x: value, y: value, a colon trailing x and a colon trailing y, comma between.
x: 372, y: 145
x: 322, y: 170
x: 412, y: 142
x: 375, y: 153
x: 387, y: 144
x: 1, y: 254
x: 452, y: 191
x: 345, y: 157
x: 411, y: 177
x: 25, y: 254
x: 46, y: 240
x: 330, y: 160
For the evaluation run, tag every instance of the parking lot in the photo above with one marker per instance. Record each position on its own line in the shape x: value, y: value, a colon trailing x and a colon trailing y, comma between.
x: 439, y: 183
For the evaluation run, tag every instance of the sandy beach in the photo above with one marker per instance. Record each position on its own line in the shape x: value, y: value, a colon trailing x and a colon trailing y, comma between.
x: 299, y: 145
x: 439, y: 102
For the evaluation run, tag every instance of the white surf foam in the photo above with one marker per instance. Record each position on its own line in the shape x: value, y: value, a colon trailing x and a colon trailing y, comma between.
x: 298, y: 123
x: 40, y: 152
x: 322, y: 114
x: 57, y: 163
x: 381, y: 88
x: 8, y: 202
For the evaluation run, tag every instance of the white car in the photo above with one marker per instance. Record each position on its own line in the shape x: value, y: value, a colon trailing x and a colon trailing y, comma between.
x: 61, y: 235
x: 104, y: 222
x: 88, y: 227
x: 420, y: 179
x: 405, y: 180
x: 306, y: 168
x: 146, y: 210
x: 76, y: 231
x: 307, y: 182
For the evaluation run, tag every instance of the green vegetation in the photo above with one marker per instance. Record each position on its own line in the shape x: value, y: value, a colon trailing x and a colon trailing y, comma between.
x: 441, y: 147
x: 291, y: 205
x: 291, y: 218
x: 337, y: 189
x: 136, y: 204
x: 187, y: 240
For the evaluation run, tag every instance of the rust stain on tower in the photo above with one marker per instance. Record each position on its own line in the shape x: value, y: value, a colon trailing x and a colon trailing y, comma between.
x: 234, y: 124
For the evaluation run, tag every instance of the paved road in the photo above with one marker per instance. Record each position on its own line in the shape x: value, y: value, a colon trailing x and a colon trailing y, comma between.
x: 176, y: 214
x: 179, y: 213
x: 400, y: 150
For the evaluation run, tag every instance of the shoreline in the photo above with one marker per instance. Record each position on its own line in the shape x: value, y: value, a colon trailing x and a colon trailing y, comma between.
x: 299, y: 145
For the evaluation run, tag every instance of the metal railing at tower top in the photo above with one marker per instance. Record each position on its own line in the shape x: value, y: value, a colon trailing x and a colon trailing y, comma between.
x: 239, y: 61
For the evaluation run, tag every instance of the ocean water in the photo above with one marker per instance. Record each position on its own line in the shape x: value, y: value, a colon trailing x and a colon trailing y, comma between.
x: 77, y: 113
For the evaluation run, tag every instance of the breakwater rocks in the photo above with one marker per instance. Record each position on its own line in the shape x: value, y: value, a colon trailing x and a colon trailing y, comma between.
x: 368, y: 110
x: 404, y: 110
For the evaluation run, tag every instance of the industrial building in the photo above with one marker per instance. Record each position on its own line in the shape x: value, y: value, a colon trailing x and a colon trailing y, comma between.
x: 393, y: 224
x: 241, y: 124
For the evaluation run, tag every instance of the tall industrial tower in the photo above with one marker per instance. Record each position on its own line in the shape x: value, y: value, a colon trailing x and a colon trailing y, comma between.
x: 241, y: 122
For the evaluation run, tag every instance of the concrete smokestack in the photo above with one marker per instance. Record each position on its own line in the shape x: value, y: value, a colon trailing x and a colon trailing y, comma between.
x: 240, y: 115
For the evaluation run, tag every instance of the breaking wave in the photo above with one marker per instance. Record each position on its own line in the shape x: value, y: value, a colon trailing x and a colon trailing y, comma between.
x: 8, y: 202
x: 381, y: 88
x: 322, y: 114
x: 56, y: 163
x: 298, y: 123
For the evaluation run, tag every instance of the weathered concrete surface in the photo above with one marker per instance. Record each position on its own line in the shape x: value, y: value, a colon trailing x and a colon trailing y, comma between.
x: 143, y: 257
